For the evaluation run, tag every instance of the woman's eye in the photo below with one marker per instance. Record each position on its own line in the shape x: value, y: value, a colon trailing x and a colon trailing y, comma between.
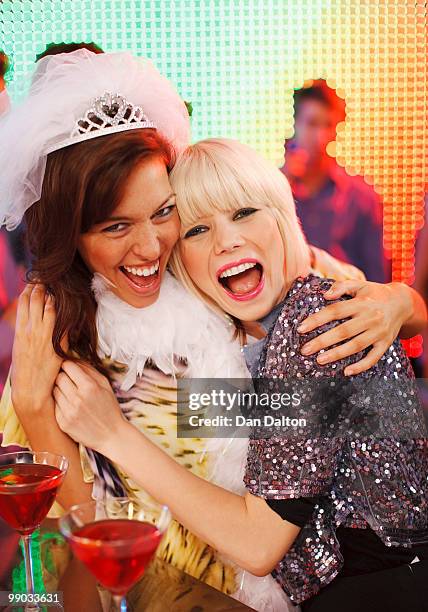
x: 244, y: 212
x: 195, y: 231
x: 117, y: 227
x: 165, y: 212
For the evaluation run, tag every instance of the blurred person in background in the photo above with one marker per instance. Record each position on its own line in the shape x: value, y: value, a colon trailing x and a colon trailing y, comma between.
x: 338, y: 212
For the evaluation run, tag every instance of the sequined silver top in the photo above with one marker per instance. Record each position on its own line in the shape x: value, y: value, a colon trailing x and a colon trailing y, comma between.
x: 363, y: 479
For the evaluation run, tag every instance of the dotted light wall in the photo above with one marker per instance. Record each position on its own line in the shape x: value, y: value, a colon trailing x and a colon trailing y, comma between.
x: 238, y: 62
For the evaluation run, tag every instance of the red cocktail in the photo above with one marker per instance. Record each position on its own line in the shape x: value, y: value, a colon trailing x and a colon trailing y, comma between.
x: 116, y: 539
x: 29, y: 482
x: 119, y: 567
x: 24, y: 507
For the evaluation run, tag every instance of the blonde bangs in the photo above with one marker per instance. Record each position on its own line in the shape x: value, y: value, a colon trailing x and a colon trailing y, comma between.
x: 214, y: 176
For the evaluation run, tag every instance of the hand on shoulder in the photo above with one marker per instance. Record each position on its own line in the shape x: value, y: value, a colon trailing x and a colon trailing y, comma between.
x: 371, y: 319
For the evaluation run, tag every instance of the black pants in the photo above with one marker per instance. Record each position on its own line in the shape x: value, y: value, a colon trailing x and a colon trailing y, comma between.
x: 400, y: 589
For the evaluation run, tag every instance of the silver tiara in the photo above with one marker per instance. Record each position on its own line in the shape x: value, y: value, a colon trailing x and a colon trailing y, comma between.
x: 108, y: 114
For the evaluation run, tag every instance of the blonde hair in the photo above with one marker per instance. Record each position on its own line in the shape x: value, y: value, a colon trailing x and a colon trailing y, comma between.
x: 219, y: 174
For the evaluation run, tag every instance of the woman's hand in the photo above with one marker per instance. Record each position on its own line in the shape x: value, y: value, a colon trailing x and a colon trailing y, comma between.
x: 85, y: 406
x: 35, y: 365
x: 375, y: 316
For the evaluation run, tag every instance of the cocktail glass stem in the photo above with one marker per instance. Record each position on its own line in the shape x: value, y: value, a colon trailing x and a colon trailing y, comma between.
x: 120, y: 602
x: 29, y: 577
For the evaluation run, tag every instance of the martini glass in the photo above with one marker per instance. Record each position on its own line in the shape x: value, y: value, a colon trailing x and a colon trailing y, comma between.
x: 29, y: 482
x: 116, y: 539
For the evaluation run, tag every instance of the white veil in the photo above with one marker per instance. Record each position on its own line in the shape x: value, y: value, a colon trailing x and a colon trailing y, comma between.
x: 62, y: 89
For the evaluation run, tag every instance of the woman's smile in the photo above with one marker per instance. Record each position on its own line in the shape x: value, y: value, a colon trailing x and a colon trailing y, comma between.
x: 242, y: 280
x: 142, y: 278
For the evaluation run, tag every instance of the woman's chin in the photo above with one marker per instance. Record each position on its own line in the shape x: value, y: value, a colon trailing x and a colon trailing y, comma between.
x: 250, y: 309
x: 138, y: 301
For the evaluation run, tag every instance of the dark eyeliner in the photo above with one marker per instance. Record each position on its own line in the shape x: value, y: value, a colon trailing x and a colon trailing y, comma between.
x: 194, y: 231
x: 110, y: 229
x: 169, y: 207
x: 244, y: 212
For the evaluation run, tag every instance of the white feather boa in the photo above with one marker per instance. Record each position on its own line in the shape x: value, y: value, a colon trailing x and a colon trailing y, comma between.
x: 179, y: 325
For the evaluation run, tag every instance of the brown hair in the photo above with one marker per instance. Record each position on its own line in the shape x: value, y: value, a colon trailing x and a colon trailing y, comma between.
x: 82, y: 185
x: 62, y: 47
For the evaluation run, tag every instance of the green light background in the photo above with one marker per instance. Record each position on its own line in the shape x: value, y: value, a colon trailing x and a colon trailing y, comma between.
x: 226, y: 57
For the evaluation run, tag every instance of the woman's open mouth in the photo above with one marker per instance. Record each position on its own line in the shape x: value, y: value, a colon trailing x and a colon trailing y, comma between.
x: 142, y: 278
x: 242, y: 280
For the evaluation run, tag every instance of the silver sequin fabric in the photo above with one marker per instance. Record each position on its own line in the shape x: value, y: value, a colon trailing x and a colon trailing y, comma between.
x: 376, y: 479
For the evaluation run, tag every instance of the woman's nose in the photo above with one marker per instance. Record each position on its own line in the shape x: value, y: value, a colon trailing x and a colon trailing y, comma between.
x: 227, y: 238
x: 146, y: 244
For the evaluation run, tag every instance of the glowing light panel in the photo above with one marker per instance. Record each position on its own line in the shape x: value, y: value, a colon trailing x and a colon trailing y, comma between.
x: 238, y: 62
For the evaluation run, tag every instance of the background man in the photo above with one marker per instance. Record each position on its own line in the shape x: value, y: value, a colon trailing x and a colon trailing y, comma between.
x: 338, y: 212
